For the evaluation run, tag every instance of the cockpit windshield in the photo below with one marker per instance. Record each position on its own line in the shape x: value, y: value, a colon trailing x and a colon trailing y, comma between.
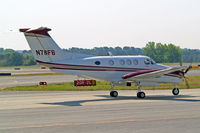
x: 152, y: 61
x: 149, y: 61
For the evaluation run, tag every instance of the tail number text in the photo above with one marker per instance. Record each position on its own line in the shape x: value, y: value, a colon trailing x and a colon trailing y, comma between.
x: 45, y: 52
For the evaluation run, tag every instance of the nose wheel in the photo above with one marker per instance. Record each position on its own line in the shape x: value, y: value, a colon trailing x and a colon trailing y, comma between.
x: 175, y: 91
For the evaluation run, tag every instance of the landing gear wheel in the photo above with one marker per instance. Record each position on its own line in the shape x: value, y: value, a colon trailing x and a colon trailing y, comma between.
x: 113, y: 93
x: 141, y: 94
x: 175, y: 91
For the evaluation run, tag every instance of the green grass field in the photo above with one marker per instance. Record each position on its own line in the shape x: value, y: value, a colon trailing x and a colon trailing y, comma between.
x: 38, y: 74
x: 194, y: 82
x: 34, y: 74
x: 22, y: 67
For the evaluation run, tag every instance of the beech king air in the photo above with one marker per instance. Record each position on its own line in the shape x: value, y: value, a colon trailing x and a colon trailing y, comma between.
x: 141, y: 70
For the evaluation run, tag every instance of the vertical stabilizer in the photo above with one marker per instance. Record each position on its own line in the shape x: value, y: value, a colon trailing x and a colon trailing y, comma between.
x: 44, y: 48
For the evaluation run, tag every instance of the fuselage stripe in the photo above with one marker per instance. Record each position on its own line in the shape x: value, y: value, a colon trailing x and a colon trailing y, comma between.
x: 97, y: 68
x: 87, y: 68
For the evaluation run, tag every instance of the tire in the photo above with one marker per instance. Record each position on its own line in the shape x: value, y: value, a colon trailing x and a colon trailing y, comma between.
x: 113, y: 93
x: 141, y: 95
x: 175, y: 91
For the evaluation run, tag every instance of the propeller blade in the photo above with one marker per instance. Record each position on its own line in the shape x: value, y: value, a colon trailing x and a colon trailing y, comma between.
x: 188, y: 69
x: 186, y: 82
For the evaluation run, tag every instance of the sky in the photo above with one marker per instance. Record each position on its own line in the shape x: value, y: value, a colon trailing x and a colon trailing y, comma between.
x: 98, y: 23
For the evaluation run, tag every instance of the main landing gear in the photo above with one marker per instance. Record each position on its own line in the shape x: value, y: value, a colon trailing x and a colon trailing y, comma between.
x: 112, y: 92
x: 140, y: 93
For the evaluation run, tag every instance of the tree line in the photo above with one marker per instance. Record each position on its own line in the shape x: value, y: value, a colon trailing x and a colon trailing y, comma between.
x: 170, y: 53
x: 103, y: 51
x: 10, y: 57
x: 161, y: 53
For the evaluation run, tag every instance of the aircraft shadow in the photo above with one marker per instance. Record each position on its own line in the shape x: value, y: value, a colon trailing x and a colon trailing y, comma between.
x: 108, y: 98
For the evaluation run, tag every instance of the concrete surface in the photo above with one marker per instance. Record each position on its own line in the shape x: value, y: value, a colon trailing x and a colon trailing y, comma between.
x: 96, y: 112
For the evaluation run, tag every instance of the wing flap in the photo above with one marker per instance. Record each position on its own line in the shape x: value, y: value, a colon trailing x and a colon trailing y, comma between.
x: 153, y: 73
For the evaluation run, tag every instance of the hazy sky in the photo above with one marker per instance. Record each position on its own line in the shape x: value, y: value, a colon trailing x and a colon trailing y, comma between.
x: 95, y: 23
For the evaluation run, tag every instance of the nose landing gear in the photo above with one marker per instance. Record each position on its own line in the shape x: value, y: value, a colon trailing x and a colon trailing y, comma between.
x: 175, y: 91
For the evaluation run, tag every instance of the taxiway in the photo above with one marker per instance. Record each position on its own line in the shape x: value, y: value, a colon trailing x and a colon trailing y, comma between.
x: 95, y: 111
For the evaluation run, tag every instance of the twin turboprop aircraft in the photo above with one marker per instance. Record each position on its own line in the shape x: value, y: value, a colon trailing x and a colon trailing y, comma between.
x: 141, y: 70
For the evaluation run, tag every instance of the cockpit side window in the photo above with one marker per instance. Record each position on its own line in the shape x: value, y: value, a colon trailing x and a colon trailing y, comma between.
x: 147, y: 61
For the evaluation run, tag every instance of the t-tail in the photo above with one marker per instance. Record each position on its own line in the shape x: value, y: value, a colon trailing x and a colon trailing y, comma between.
x: 44, y: 48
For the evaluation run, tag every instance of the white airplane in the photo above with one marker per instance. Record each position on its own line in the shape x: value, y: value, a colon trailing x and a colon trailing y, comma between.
x: 141, y: 70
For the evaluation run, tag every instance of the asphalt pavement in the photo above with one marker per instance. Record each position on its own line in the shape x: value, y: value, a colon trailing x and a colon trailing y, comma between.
x: 97, y: 112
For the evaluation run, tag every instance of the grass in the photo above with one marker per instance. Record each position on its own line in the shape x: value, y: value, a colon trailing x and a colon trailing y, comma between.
x: 34, y: 74
x: 38, y: 74
x: 22, y: 67
x: 101, y: 85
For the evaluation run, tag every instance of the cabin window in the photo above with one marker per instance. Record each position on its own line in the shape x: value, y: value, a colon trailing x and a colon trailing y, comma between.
x: 147, y: 61
x: 111, y: 62
x: 135, y: 62
x: 97, y: 62
x: 128, y: 62
x: 121, y: 62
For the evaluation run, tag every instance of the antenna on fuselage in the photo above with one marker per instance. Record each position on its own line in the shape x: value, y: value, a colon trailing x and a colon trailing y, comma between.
x: 181, y: 62
x: 110, y: 53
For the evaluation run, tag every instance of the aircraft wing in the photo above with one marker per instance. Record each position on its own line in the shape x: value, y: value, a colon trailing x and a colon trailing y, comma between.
x: 153, y: 73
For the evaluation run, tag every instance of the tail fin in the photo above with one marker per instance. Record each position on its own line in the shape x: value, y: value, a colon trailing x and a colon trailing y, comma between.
x: 44, y: 48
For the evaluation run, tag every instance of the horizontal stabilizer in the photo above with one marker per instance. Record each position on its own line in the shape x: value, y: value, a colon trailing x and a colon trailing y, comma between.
x: 39, y: 31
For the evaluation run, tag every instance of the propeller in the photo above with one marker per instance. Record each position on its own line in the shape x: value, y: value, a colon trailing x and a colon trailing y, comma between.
x: 183, y: 72
x: 186, y: 82
x: 186, y: 78
x: 188, y: 69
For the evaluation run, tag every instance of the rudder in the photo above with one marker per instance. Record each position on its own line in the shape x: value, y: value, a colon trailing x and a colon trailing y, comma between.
x: 43, y: 47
